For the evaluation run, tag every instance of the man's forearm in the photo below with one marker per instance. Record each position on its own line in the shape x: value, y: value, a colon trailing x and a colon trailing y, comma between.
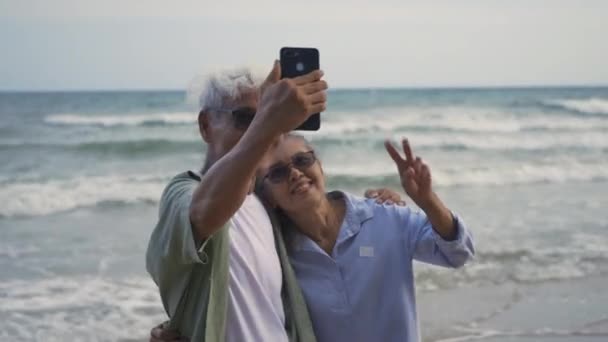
x: 440, y: 217
x: 224, y: 186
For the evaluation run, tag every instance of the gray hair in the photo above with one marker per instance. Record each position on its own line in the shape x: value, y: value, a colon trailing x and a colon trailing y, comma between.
x: 222, y: 88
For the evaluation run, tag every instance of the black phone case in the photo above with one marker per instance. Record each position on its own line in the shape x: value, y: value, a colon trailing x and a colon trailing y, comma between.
x: 308, y: 58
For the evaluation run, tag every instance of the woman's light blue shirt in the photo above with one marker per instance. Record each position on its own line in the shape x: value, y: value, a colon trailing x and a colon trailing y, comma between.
x: 365, y: 290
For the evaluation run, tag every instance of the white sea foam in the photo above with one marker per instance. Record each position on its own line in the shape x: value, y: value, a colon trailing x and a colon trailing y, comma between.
x: 15, y: 252
x: 41, y: 198
x: 454, y: 118
x: 79, y: 309
x: 589, y: 106
x: 389, y: 119
x: 177, y: 118
x: 446, y: 175
x: 32, y: 197
x: 503, y: 142
x: 526, y: 141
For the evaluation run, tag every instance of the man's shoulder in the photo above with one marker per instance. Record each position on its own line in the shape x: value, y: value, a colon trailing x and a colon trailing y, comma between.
x: 186, y: 176
x: 183, y: 180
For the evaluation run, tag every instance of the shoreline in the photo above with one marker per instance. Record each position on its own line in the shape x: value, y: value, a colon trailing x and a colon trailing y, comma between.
x: 567, y: 310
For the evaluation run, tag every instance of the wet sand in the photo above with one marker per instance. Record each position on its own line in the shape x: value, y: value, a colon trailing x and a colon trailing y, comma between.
x: 574, y: 310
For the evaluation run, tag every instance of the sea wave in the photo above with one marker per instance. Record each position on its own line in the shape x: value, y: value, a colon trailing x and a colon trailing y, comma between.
x: 451, y: 141
x: 530, y: 142
x: 113, y: 147
x: 43, y: 198
x: 385, y: 174
x: 476, y: 120
x: 36, y: 198
x: 176, y: 118
x: 592, y: 105
x: 526, y: 263
x: 79, y: 309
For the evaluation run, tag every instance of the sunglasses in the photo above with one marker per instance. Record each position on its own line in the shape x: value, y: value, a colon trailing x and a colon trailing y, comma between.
x: 241, y: 117
x: 280, y: 172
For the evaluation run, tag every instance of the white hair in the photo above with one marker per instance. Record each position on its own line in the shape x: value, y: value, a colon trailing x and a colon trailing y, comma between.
x: 224, y: 87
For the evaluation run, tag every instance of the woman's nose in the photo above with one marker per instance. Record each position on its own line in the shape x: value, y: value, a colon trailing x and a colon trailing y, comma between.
x: 294, y: 173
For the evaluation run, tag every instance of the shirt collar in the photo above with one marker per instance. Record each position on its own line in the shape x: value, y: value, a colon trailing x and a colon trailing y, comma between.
x: 358, y: 210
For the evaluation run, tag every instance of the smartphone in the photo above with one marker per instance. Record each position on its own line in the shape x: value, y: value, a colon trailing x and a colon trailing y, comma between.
x: 297, y: 61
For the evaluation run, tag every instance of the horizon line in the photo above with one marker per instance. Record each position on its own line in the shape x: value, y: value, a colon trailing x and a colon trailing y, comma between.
x: 353, y: 88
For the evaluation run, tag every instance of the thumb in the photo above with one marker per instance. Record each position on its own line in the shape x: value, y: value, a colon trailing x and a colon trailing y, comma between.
x: 275, y: 74
x: 273, y: 77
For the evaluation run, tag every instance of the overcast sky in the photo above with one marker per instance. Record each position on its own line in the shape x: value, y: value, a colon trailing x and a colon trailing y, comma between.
x: 162, y: 44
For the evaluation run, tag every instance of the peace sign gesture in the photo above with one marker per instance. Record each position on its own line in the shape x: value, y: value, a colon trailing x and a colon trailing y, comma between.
x: 414, y: 173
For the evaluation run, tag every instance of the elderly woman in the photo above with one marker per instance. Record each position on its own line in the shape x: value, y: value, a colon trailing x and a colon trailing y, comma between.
x: 352, y: 256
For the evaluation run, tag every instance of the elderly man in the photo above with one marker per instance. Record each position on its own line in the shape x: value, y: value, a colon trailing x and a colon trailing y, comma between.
x: 220, y: 264
x: 212, y: 253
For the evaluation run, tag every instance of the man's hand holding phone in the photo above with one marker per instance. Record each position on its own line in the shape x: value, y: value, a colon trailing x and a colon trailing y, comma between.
x: 287, y: 103
x: 299, y: 61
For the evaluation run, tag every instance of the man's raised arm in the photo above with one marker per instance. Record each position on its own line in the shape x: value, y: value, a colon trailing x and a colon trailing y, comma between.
x: 284, y: 105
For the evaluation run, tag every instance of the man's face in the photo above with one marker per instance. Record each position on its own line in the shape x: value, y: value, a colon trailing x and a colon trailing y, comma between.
x: 227, y: 126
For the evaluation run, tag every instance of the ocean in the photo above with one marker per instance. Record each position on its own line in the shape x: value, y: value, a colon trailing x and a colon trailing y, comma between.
x: 81, y: 174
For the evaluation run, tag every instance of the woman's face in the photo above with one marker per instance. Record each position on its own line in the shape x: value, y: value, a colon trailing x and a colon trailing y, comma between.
x: 292, y: 176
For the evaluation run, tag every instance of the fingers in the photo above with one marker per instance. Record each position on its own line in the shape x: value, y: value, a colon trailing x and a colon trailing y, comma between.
x: 411, y: 186
x: 418, y: 166
x: 384, y: 197
x: 409, y: 156
x: 393, y: 196
x: 315, y: 87
x: 179, y: 339
x: 162, y: 333
x: 426, y: 175
x: 394, y: 155
x: 316, y: 95
x: 426, y: 171
x: 410, y: 173
x: 319, y: 97
x: 156, y: 331
x: 311, y: 77
x: 370, y: 193
x: 317, y: 108
x: 388, y: 196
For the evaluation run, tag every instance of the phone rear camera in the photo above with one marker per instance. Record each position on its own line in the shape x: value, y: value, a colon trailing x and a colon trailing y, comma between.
x: 291, y: 53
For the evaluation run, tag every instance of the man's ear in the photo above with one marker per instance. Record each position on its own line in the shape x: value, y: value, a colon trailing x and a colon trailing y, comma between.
x: 204, y: 125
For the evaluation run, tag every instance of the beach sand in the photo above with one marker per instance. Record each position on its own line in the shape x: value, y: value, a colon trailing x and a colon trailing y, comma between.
x: 572, y: 310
